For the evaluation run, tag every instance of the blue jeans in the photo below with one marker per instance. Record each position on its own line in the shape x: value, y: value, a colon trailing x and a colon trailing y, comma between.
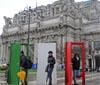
x: 75, y: 74
x: 49, y: 75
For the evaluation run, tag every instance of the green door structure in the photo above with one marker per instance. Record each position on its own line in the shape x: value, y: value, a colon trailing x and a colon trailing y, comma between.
x: 14, y: 61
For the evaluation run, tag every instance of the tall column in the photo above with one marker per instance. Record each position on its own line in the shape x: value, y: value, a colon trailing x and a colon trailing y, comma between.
x: 35, y: 50
x: 0, y: 54
x: 3, y: 53
x: 62, y: 55
x: 60, y: 48
x: 6, y: 53
x: 93, y: 56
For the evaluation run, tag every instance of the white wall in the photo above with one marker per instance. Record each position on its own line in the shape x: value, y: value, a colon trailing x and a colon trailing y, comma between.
x: 43, y: 49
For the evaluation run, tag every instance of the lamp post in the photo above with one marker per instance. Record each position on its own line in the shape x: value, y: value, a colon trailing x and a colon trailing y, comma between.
x: 93, y: 62
x: 28, y: 39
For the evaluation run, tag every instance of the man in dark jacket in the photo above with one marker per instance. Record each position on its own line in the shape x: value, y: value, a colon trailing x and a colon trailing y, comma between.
x: 50, y: 66
x: 76, y: 67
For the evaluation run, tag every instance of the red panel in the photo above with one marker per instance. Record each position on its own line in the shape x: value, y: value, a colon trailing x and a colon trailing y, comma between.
x: 68, y: 67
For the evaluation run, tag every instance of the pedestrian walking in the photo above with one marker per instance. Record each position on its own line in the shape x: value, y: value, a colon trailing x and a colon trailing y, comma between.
x: 50, y: 67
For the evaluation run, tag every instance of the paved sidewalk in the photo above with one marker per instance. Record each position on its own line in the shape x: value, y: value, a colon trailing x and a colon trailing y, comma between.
x: 90, y: 77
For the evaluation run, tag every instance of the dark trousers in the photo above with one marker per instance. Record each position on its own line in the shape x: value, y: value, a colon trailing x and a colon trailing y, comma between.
x: 49, y: 75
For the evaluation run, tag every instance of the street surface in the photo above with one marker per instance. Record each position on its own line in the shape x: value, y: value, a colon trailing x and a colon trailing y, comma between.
x: 91, y: 79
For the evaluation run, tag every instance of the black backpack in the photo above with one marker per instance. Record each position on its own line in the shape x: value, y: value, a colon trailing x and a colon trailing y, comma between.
x: 28, y: 64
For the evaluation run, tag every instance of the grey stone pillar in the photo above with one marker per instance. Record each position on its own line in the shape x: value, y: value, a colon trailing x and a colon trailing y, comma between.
x: 35, y: 52
x: 6, y: 53
x: 69, y: 35
x: 0, y: 55
x: 1, y: 52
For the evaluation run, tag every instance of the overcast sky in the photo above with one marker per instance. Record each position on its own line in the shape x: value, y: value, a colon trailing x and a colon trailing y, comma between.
x: 10, y: 7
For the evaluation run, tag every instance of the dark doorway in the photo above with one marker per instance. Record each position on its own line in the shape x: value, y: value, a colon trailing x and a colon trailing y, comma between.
x: 90, y: 64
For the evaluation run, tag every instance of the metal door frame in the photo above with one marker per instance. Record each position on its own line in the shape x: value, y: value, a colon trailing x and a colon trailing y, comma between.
x: 68, y: 61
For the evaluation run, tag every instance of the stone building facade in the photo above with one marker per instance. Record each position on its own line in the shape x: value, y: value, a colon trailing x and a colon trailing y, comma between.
x: 91, y: 30
x: 59, y: 22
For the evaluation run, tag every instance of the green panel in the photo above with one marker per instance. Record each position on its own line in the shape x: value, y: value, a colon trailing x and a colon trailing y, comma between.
x: 14, y: 64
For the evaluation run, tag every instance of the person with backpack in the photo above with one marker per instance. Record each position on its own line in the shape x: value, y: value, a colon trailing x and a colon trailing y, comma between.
x: 50, y: 67
x: 25, y: 64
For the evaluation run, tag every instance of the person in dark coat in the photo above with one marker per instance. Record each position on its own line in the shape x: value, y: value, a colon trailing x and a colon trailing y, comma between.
x: 76, y: 67
x: 50, y: 67
x: 22, y: 65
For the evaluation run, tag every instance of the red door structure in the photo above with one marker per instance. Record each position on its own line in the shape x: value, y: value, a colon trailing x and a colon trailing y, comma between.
x: 68, y: 61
